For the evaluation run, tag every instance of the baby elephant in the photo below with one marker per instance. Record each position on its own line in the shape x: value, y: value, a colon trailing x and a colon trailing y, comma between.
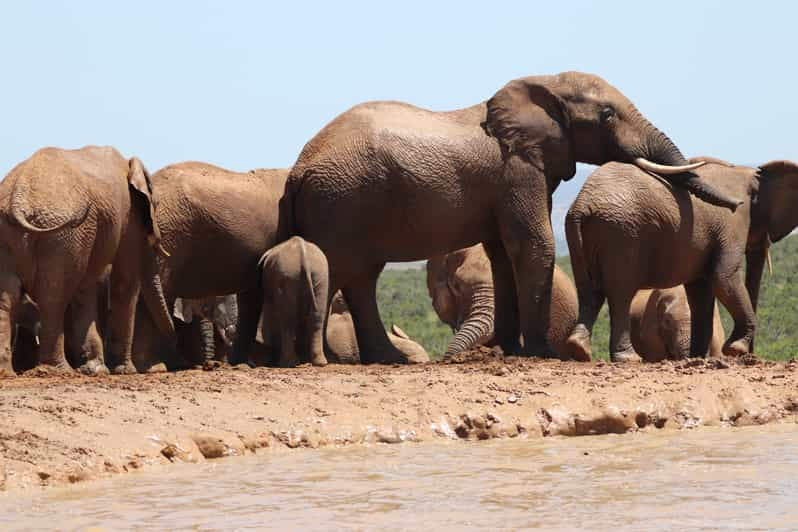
x: 661, y: 325
x: 294, y: 276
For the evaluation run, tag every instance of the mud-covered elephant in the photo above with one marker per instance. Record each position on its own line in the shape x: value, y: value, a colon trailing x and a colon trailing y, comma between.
x: 65, y: 216
x: 342, y: 344
x: 660, y: 325
x: 629, y: 230
x: 387, y: 181
x: 295, y: 284
x: 460, y: 284
x: 215, y: 225
x: 207, y: 328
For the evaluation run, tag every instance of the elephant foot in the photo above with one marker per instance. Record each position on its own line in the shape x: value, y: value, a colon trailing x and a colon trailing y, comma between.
x: 93, y: 368
x: 578, y: 345
x: 160, y: 367
x: 57, y: 368
x: 625, y: 356
x: 318, y: 360
x: 7, y: 373
x: 738, y: 348
x: 124, y: 369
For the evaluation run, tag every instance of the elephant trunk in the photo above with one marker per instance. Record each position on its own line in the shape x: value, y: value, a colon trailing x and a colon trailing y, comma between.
x: 659, y: 148
x: 206, y: 337
x: 154, y: 299
x: 478, y: 324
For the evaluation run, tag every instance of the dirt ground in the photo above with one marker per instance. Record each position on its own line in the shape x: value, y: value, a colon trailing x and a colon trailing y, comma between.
x: 56, y: 430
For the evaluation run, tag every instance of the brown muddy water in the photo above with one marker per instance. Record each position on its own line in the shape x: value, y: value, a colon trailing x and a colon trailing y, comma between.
x: 705, y: 479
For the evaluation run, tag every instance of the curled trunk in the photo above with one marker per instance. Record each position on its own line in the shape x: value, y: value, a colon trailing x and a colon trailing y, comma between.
x: 478, y: 324
x: 661, y: 149
x: 206, y: 337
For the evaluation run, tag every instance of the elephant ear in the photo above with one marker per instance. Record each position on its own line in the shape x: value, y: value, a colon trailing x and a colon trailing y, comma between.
x: 182, y: 310
x: 531, y: 121
x: 779, y: 182
x: 139, y: 181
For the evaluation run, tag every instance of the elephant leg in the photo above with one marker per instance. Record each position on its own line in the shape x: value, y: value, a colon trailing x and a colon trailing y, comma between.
x: 124, y: 297
x: 529, y: 242
x: 250, y: 305
x: 621, y: 349
x: 84, y: 331
x: 372, y: 340
x: 288, y: 353
x: 507, y: 331
x: 730, y: 291
x: 315, y: 326
x: 207, y: 339
x: 702, y: 314
x: 52, y: 291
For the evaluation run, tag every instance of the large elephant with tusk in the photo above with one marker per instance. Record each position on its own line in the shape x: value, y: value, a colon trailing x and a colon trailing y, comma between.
x: 388, y: 181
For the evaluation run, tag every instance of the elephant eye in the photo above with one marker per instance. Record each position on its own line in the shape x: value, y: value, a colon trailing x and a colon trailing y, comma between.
x: 606, y: 114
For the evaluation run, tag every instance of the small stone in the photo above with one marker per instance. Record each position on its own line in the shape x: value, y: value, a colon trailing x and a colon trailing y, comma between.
x: 512, y: 399
x: 43, y: 475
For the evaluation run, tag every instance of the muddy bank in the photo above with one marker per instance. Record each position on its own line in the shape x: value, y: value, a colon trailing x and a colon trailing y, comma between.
x: 59, y: 430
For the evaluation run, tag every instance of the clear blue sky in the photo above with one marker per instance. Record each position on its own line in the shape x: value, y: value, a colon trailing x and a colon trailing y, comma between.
x: 245, y: 84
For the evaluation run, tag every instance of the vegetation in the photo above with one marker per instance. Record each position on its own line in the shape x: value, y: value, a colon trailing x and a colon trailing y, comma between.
x: 403, y: 300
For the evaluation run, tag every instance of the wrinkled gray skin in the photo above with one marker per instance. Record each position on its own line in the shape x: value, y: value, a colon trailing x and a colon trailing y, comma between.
x: 387, y: 181
x: 295, y: 291
x: 660, y: 325
x: 342, y: 343
x: 215, y: 225
x: 63, y: 238
x: 628, y: 230
x: 461, y: 287
x: 209, y: 328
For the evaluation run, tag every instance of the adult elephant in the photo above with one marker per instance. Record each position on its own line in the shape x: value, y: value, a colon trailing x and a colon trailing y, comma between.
x: 387, y: 181
x: 661, y: 325
x: 628, y: 230
x: 215, y: 225
x: 461, y: 287
x: 65, y: 216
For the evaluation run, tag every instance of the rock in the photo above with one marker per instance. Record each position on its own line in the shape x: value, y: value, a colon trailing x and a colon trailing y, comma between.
x: 213, y: 446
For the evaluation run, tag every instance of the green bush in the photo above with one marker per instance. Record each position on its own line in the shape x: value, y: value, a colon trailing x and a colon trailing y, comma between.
x: 403, y: 300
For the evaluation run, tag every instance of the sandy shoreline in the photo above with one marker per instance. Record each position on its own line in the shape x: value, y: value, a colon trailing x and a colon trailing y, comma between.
x: 61, y: 430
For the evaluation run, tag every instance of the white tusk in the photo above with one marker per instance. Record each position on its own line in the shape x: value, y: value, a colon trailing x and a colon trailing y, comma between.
x: 645, y: 164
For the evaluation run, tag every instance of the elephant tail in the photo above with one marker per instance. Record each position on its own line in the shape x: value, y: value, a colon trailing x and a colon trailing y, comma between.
x: 286, y: 218
x: 305, y: 273
x: 477, y: 325
x: 47, y: 218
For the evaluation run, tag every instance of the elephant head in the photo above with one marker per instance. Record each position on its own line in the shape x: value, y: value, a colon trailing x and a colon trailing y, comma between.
x: 461, y: 287
x: 673, y: 321
x: 551, y: 122
x: 773, y: 216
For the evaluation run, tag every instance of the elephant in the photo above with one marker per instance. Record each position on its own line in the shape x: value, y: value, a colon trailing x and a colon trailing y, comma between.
x: 660, y: 325
x: 215, y: 225
x: 461, y: 287
x: 342, y: 344
x: 65, y: 216
x: 20, y: 321
x: 295, y: 284
x: 388, y: 181
x: 627, y: 230
x: 208, y: 328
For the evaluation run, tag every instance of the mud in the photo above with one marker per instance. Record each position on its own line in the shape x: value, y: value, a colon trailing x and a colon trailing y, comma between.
x: 57, y: 430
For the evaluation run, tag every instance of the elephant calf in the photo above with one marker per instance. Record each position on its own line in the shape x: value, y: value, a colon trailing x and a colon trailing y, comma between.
x: 294, y: 277
x: 660, y: 325
x: 460, y: 284
x: 629, y: 230
x: 207, y: 328
x: 342, y: 341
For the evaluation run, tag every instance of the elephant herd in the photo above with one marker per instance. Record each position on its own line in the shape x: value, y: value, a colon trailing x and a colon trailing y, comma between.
x: 105, y: 267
